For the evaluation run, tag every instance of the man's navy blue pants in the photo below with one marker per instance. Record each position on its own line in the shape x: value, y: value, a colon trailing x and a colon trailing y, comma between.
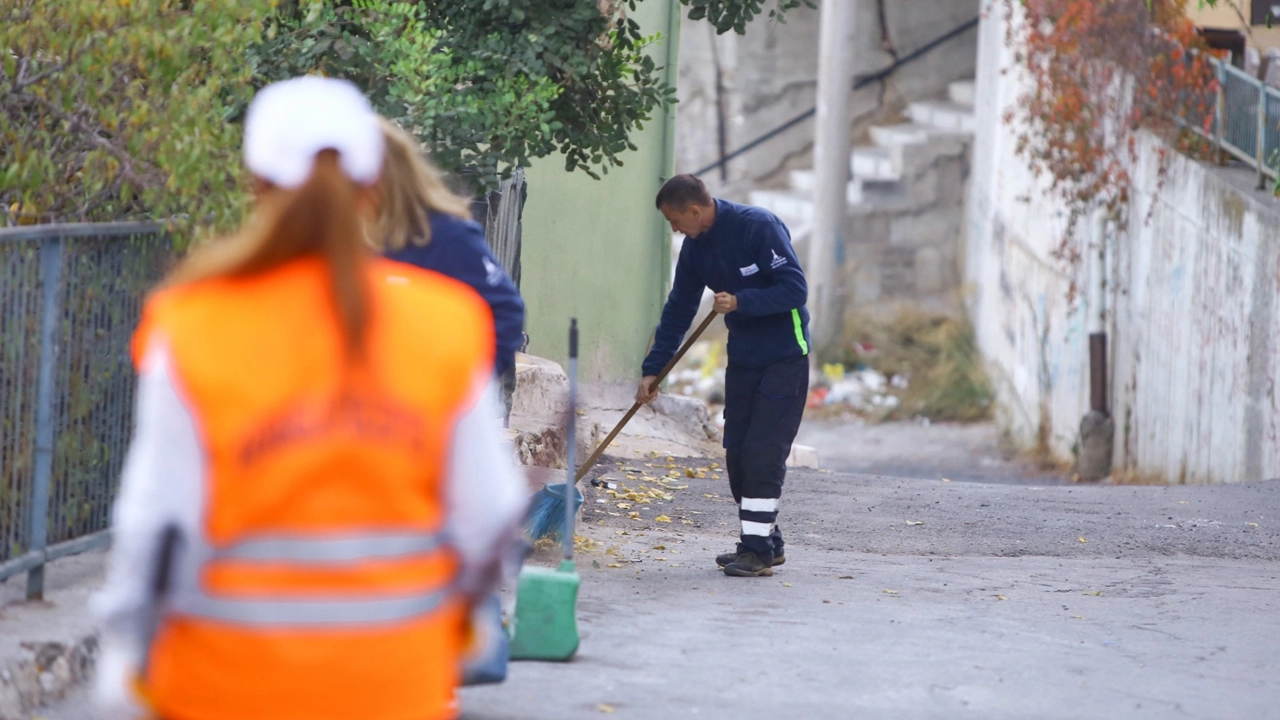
x: 762, y: 413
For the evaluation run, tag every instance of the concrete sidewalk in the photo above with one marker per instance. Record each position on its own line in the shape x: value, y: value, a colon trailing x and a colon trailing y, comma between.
x: 47, y: 648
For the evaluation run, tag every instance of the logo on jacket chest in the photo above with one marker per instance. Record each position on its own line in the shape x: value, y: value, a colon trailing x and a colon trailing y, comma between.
x: 751, y: 269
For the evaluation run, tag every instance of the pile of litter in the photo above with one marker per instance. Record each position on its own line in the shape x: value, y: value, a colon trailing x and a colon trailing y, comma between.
x: 863, y: 391
x: 911, y: 365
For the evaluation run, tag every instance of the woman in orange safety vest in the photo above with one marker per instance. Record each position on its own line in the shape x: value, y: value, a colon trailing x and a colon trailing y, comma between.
x: 318, y: 488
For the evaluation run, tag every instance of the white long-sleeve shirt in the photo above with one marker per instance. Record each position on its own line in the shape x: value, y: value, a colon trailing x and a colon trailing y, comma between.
x: 163, y: 486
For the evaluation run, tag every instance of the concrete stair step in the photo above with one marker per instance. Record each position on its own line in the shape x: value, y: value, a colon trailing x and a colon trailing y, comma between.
x: 793, y: 207
x: 943, y: 115
x: 873, y: 162
x: 858, y: 190
x: 962, y: 92
x: 806, y: 181
x: 888, y: 136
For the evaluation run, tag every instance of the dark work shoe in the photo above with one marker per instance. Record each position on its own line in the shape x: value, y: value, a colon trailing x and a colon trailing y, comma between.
x: 749, y: 564
x: 724, y: 559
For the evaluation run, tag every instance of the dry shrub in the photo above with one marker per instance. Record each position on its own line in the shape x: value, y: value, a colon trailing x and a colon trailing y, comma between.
x: 938, y: 355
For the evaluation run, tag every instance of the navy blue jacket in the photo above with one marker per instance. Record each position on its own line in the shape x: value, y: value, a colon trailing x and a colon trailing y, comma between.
x: 458, y: 249
x: 747, y: 252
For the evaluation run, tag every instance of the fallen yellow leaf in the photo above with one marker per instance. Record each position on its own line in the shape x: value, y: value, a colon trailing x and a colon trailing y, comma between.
x: 915, y: 522
x: 1094, y: 593
x: 946, y: 479
x: 1081, y: 539
x: 607, y: 709
x: 1001, y: 597
x: 1253, y: 524
x: 786, y: 584
x: 887, y: 591
x: 662, y: 519
x: 633, y: 515
x: 614, y: 565
x: 1182, y: 502
x: 708, y: 495
x: 689, y: 473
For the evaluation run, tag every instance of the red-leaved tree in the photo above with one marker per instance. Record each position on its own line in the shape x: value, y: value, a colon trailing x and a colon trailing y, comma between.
x: 1099, y: 72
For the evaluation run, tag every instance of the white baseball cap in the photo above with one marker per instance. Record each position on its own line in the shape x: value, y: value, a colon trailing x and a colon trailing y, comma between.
x: 290, y: 122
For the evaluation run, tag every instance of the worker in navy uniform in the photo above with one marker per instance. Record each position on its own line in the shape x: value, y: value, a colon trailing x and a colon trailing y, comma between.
x: 744, y: 255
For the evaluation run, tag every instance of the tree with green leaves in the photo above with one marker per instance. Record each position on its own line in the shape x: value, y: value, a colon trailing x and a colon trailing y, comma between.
x: 491, y: 85
x: 112, y: 110
x: 125, y: 109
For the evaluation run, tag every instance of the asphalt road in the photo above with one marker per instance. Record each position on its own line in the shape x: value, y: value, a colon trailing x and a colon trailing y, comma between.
x: 915, y: 598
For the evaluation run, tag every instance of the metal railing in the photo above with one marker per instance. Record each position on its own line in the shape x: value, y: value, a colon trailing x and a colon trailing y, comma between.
x: 1246, y: 120
x: 500, y: 212
x: 70, y: 296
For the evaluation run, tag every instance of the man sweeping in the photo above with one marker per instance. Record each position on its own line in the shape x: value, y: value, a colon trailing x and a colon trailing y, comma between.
x: 744, y: 255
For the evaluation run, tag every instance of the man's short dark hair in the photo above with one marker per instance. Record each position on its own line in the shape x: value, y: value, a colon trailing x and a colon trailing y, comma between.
x: 681, y: 191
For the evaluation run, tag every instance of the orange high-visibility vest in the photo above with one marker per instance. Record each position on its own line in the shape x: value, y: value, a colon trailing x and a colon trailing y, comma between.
x: 321, y: 585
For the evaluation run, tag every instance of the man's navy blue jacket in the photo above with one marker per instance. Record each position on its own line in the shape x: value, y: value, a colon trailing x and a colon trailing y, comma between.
x: 747, y: 252
x: 458, y: 249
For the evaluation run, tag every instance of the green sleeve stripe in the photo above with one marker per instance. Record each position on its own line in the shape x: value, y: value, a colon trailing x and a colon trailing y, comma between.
x: 804, y: 346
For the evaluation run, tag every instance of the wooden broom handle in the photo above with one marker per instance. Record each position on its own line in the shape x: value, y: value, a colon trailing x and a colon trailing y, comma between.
x: 591, y: 461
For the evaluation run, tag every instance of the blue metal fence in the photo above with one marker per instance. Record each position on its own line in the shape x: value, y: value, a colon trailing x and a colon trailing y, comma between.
x: 1248, y: 119
x: 70, y: 296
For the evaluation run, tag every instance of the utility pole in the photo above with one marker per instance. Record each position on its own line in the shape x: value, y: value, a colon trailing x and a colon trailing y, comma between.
x: 830, y: 164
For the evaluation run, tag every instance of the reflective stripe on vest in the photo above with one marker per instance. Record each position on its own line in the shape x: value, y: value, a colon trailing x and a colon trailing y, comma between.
x: 331, y: 550
x: 309, y: 612
x: 191, y: 600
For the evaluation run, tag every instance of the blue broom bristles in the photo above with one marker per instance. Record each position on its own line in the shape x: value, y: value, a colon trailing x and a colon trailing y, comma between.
x: 545, y: 517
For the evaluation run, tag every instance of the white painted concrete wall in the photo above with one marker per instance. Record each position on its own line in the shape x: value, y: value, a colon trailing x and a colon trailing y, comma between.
x: 1193, y: 292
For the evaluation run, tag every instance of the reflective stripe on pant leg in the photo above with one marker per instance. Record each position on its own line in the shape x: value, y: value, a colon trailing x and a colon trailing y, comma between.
x: 760, y: 505
x: 758, y: 517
